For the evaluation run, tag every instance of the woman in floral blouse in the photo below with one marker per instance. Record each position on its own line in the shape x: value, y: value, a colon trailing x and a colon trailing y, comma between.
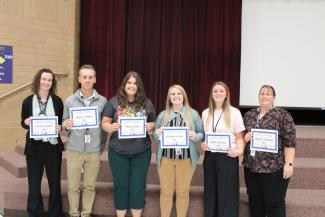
x: 267, y: 171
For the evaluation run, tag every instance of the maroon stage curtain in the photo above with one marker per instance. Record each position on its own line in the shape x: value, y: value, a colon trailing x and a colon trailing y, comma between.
x: 188, y: 42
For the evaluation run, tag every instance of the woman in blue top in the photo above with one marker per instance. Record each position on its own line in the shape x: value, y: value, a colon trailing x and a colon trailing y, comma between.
x: 176, y: 165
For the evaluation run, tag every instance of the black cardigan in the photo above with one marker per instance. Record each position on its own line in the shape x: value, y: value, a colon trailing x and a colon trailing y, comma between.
x: 27, y: 111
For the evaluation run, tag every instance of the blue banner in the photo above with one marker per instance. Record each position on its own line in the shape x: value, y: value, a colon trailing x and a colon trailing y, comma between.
x: 6, y: 64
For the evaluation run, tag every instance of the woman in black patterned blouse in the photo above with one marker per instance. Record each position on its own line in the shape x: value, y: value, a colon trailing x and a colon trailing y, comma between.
x: 268, y: 170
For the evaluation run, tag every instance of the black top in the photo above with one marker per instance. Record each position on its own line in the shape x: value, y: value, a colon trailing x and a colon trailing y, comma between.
x: 129, y: 146
x: 27, y: 111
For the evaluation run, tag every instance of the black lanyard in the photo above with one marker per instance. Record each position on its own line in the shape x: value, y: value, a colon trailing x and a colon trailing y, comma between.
x: 214, y: 127
x: 42, y: 106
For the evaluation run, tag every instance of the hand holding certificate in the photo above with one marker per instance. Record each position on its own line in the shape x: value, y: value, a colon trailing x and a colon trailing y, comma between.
x: 218, y: 142
x: 84, y: 117
x: 264, y: 140
x: 132, y: 127
x: 43, y: 127
x: 174, y: 137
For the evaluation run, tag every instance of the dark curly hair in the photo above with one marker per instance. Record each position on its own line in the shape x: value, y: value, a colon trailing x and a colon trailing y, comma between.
x: 140, y: 99
x: 37, y: 79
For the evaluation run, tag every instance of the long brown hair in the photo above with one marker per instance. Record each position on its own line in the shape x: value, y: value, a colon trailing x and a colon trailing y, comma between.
x: 225, y: 106
x: 37, y: 79
x: 140, y: 99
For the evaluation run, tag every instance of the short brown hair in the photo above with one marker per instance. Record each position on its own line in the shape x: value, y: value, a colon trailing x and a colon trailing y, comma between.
x: 87, y: 66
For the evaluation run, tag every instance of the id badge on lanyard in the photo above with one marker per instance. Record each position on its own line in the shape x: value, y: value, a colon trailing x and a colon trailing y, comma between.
x: 178, y: 151
x: 87, y: 137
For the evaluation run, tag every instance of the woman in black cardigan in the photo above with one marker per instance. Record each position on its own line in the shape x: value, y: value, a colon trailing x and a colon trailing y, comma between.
x: 43, y: 152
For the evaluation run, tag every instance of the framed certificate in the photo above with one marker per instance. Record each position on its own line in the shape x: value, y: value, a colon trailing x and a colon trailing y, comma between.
x: 218, y: 142
x: 132, y: 127
x: 84, y: 117
x: 43, y: 127
x: 264, y: 140
x: 174, y: 137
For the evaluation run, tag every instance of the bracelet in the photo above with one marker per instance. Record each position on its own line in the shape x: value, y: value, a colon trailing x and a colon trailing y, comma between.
x: 289, y: 164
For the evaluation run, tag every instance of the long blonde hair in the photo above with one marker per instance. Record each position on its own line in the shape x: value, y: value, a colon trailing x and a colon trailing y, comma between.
x: 225, y: 106
x: 169, y: 107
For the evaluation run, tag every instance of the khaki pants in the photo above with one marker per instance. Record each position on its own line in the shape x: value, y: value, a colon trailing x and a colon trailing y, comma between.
x: 89, y: 162
x: 175, y: 175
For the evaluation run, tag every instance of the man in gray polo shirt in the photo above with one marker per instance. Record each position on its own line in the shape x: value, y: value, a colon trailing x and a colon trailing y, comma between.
x: 84, y: 145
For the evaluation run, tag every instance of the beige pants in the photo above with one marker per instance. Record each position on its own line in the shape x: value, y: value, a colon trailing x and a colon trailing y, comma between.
x: 175, y: 175
x: 89, y: 163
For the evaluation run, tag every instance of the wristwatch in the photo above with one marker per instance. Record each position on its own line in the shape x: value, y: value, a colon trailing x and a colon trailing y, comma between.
x: 289, y: 163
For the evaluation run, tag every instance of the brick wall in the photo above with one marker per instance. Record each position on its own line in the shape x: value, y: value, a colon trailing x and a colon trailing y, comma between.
x: 43, y: 33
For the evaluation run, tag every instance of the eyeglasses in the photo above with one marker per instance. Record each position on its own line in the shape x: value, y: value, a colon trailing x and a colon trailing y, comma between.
x: 265, y: 94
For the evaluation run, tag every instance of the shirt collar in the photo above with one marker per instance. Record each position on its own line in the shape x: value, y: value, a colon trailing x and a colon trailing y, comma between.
x: 89, y: 98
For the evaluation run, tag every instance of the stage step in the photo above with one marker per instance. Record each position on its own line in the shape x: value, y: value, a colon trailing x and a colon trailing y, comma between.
x: 13, y: 193
x: 312, y: 148
x: 15, y: 163
x: 309, y: 173
x: 305, y: 197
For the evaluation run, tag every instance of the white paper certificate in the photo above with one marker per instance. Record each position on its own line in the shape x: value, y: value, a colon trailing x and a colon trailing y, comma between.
x: 84, y: 117
x: 174, y: 137
x: 132, y: 127
x: 218, y: 142
x: 264, y: 140
x: 43, y: 127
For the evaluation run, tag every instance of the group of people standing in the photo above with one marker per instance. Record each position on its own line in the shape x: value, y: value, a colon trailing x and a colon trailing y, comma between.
x: 266, y: 174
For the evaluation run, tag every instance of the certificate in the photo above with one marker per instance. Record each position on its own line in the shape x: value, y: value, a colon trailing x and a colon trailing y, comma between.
x: 43, y: 127
x: 132, y: 127
x: 264, y: 140
x: 84, y: 117
x: 218, y: 142
x: 174, y: 137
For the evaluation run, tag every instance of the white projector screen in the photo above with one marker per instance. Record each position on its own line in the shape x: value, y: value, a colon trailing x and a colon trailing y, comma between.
x: 283, y: 44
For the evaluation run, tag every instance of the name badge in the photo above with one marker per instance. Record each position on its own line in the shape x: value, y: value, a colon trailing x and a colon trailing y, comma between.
x: 178, y: 151
x: 87, y: 138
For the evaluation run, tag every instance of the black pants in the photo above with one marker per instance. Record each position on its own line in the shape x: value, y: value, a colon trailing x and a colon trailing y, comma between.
x: 50, y: 157
x: 221, y: 185
x: 266, y: 193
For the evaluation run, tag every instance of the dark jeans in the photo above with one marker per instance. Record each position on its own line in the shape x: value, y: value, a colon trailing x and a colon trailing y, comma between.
x: 49, y: 157
x: 266, y: 193
x: 221, y: 185
x: 130, y: 178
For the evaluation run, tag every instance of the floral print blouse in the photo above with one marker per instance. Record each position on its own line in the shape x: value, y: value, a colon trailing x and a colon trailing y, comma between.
x: 275, y: 119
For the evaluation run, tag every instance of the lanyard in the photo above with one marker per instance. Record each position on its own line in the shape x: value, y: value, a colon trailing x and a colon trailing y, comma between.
x: 258, y: 119
x: 214, y: 127
x: 42, y: 106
